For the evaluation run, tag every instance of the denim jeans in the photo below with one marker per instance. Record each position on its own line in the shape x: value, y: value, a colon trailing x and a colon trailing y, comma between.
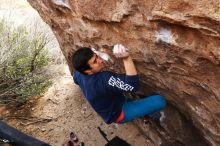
x: 146, y: 106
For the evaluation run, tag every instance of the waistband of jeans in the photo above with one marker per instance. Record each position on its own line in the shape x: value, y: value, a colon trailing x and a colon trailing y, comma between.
x: 120, y: 117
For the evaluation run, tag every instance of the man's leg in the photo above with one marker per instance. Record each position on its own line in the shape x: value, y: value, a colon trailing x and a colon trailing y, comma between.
x: 146, y: 106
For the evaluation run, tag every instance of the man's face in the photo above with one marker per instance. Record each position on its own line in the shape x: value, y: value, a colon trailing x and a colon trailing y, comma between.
x: 96, y: 63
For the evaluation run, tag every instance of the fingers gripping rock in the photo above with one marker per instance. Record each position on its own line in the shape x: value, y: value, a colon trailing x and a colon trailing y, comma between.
x: 120, y: 51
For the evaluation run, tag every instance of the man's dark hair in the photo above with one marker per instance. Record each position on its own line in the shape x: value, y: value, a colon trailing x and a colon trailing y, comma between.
x: 80, y: 59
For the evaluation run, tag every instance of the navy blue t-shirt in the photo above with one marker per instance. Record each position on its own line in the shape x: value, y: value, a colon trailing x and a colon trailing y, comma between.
x: 104, y: 91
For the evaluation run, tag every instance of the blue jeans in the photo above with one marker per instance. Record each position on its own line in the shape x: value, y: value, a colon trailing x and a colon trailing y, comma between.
x: 146, y: 106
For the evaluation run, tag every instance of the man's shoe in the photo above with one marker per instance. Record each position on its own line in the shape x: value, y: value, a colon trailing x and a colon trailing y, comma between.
x: 73, y: 137
x: 147, y: 120
x: 158, y: 116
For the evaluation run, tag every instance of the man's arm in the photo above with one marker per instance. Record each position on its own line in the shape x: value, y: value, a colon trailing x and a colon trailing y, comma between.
x: 75, y: 77
x: 121, y: 52
x: 129, y: 66
x: 123, y: 83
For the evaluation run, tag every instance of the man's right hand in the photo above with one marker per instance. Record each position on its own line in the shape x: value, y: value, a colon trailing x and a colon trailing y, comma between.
x: 120, y: 51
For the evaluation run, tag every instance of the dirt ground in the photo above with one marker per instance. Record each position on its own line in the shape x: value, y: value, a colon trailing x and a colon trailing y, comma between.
x: 68, y: 111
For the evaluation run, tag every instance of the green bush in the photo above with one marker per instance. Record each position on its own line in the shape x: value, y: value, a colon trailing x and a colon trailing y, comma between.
x: 23, y: 53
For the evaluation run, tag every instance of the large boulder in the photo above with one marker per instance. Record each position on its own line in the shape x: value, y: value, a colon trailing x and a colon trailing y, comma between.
x: 175, y: 45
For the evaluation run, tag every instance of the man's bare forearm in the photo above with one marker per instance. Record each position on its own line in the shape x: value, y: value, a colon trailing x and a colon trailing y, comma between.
x: 121, y: 52
x: 130, y: 68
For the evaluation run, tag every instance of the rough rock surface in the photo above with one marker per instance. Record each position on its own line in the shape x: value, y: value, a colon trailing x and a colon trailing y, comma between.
x: 175, y: 45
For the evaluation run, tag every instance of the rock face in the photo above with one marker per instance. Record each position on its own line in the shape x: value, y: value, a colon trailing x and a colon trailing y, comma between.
x: 175, y: 45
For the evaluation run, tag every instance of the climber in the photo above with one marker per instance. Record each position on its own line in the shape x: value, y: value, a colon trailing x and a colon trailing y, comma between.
x: 104, y: 89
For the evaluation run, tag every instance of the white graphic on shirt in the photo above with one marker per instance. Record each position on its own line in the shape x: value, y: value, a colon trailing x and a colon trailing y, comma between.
x: 120, y: 84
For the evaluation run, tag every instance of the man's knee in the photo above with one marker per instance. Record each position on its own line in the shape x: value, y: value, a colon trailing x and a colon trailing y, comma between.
x: 161, y: 101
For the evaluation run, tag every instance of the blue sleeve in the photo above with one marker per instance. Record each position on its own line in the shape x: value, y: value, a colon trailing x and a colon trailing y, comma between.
x: 75, y: 78
x: 121, y: 82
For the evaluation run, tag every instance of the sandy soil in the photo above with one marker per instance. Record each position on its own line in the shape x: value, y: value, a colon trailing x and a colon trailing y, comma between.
x: 66, y: 106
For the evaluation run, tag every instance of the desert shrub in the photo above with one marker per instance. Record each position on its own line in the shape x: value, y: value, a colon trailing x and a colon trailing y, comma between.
x: 23, y: 54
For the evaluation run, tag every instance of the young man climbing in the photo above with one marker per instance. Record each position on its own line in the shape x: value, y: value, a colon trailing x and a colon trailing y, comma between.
x: 104, y: 89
